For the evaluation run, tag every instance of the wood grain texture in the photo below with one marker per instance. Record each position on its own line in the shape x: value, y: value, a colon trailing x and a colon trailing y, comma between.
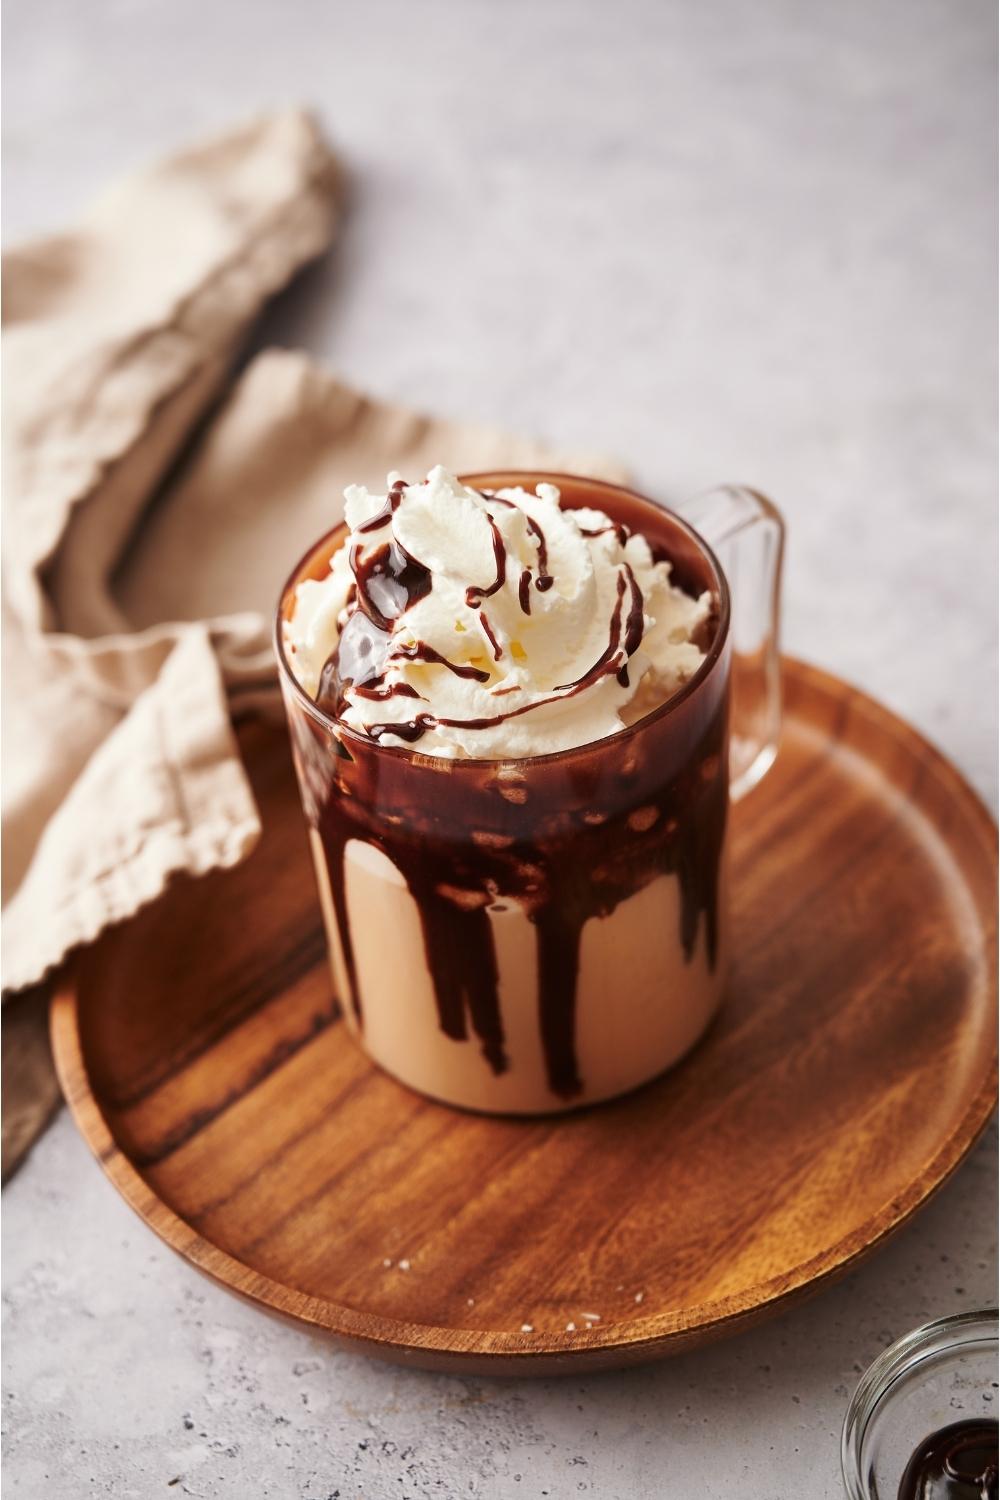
x: 852, y: 1067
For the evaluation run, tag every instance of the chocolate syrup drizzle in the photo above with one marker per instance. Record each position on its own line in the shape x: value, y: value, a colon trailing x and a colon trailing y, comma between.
x: 621, y: 532
x: 613, y: 659
x: 490, y: 635
x: 387, y: 581
x: 389, y: 509
x: 544, y: 581
x: 566, y: 838
x: 474, y: 596
x: 420, y: 651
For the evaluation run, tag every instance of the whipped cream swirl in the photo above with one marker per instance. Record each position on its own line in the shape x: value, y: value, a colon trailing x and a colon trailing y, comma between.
x: 491, y: 626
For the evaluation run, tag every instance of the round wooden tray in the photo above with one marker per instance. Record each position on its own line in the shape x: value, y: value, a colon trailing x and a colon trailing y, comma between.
x: 851, y: 1069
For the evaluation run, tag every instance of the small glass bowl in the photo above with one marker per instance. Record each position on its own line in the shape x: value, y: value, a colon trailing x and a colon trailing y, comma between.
x: 942, y: 1373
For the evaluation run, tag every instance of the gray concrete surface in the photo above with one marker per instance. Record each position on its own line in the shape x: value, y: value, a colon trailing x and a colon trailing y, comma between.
x: 721, y: 241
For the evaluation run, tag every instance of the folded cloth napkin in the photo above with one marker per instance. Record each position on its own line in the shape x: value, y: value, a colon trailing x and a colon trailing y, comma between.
x: 134, y: 629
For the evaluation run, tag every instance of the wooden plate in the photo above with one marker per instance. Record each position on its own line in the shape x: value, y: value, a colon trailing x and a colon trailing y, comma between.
x: 851, y: 1069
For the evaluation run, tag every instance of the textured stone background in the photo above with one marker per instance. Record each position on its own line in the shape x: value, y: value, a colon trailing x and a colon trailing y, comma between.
x: 723, y: 241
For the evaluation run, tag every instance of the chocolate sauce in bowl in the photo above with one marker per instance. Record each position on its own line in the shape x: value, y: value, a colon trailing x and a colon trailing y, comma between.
x: 567, y: 838
x: 958, y: 1462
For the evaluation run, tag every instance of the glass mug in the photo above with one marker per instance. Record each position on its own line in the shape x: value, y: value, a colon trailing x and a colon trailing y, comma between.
x: 528, y: 936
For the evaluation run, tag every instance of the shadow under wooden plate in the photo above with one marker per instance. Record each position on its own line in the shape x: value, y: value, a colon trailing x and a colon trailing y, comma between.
x: 851, y: 1069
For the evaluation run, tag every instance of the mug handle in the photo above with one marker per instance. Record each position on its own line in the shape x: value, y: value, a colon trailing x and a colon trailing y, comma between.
x: 747, y: 534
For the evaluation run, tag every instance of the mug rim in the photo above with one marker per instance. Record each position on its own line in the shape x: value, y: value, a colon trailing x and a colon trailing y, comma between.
x: 550, y: 757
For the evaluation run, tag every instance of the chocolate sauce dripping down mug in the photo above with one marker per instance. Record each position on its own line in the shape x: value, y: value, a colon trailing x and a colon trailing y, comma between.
x: 527, y: 936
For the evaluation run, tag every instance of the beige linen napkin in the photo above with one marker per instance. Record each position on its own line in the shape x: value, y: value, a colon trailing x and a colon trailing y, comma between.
x: 119, y: 765
x: 135, y: 628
